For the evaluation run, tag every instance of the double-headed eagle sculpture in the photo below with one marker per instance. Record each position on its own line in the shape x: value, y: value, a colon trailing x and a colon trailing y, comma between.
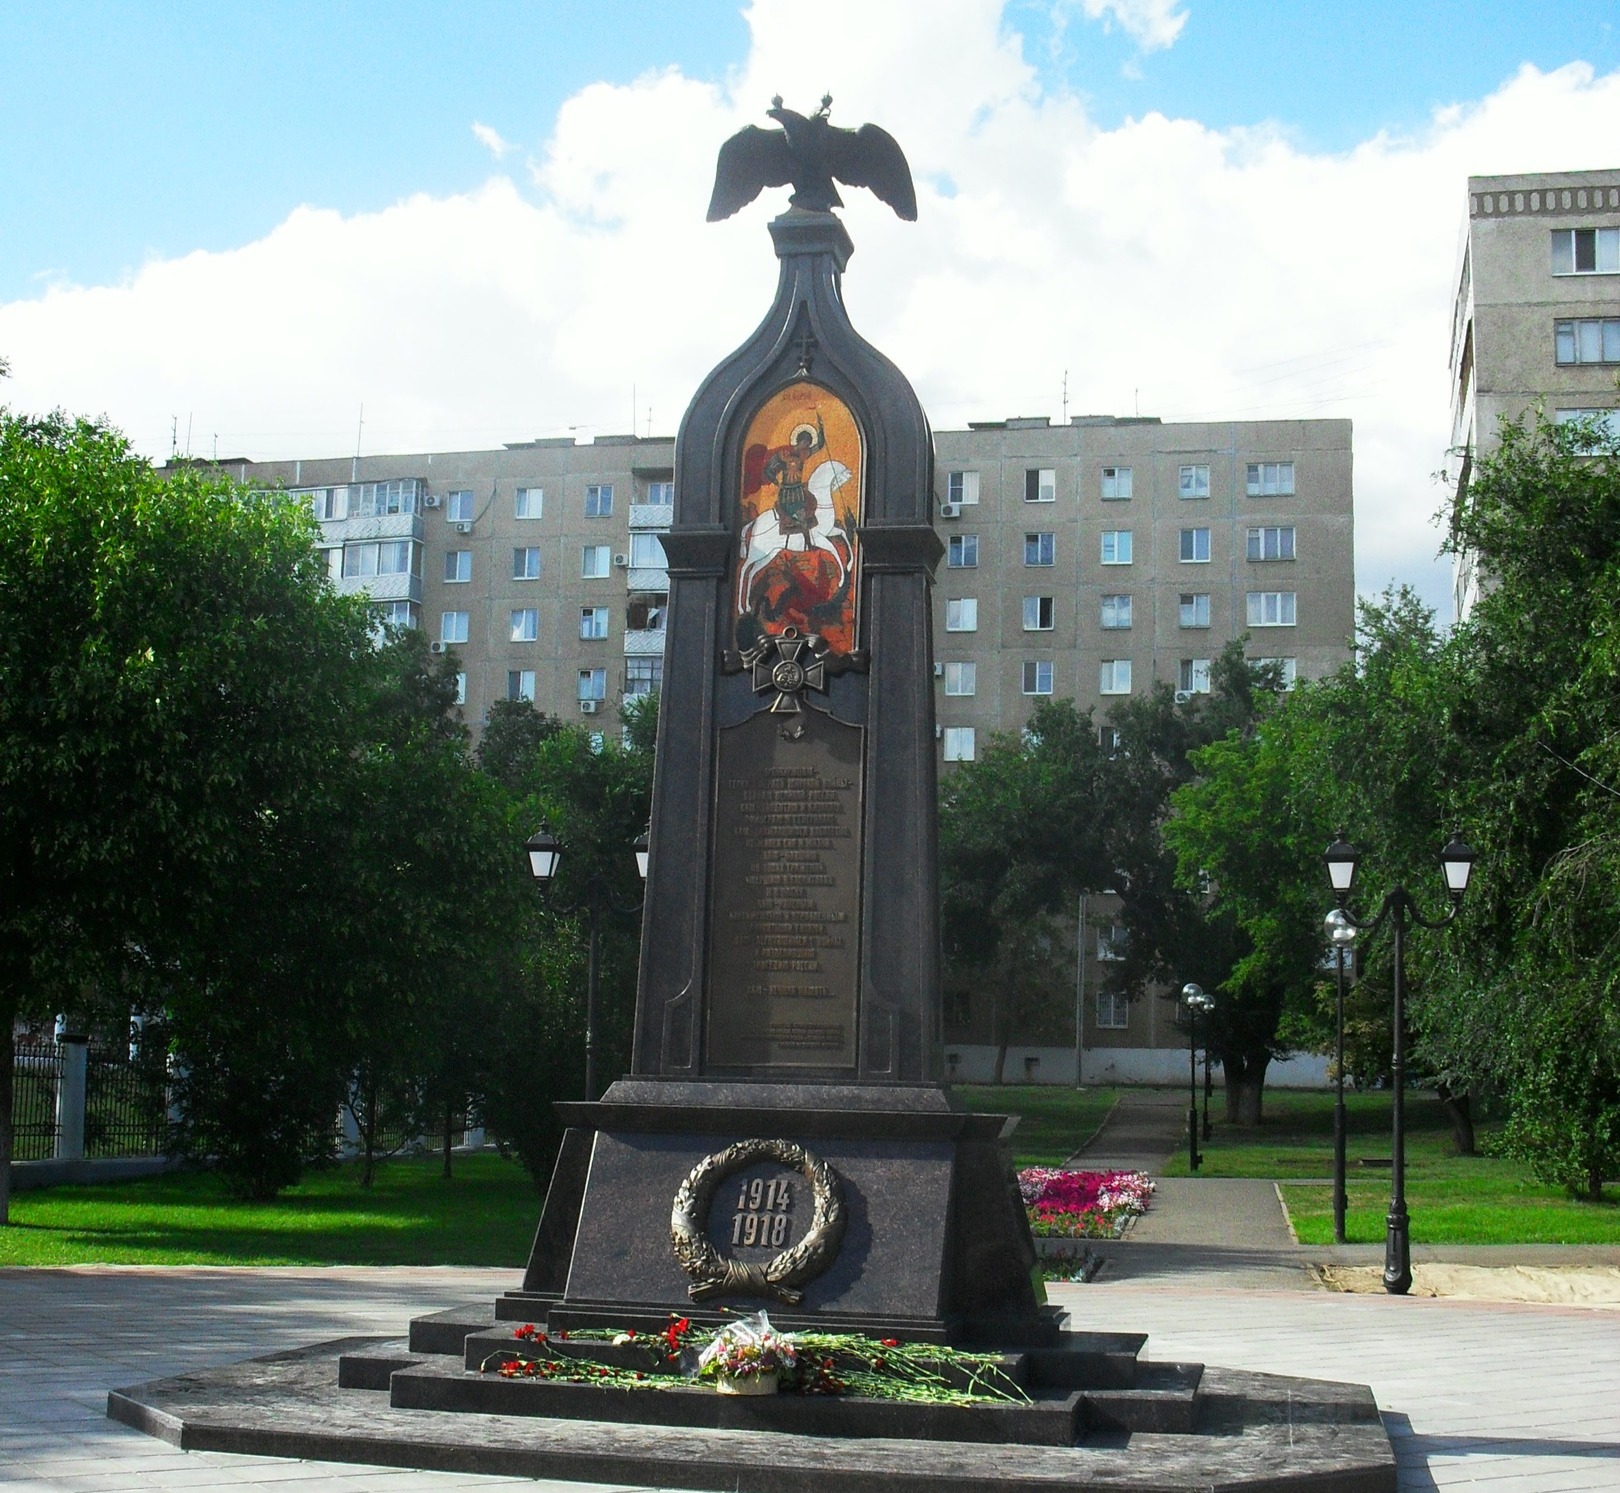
x: 810, y: 153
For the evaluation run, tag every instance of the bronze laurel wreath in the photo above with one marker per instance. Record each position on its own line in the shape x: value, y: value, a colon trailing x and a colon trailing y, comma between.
x: 715, y: 1275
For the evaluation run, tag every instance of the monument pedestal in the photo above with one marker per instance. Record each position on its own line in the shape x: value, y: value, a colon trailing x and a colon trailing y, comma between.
x: 935, y: 1243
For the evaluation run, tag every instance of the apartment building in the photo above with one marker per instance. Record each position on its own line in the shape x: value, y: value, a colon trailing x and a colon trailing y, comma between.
x: 1090, y: 559
x: 1536, y: 314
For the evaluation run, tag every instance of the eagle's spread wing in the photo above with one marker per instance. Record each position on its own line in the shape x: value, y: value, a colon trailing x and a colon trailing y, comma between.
x: 871, y: 157
x: 750, y: 161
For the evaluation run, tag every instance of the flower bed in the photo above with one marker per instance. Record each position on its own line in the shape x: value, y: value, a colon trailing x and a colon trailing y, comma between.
x: 1082, y: 1205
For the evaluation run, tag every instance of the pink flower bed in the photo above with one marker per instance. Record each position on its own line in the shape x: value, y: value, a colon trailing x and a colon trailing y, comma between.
x: 1082, y: 1205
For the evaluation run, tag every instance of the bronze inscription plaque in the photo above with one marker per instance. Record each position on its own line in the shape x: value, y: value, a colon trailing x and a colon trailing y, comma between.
x: 785, y: 921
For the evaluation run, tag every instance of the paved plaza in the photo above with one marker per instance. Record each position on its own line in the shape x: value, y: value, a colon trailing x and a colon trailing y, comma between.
x: 1474, y: 1395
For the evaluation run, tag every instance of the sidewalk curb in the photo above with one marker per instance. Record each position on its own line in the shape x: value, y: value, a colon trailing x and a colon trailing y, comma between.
x: 1276, y: 1187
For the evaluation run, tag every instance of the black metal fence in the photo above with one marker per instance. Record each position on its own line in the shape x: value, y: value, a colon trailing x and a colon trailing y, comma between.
x: 37, y: 1076
x: 126, y: 1106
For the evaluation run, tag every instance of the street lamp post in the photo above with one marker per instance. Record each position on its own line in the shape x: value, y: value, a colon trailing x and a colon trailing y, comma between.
x: 1457, y: 862
x: 1197, y: 1002
x: 1342, y: 932
x: 545, y: 856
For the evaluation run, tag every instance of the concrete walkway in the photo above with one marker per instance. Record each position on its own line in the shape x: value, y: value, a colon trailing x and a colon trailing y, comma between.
x: 1509, y: 1397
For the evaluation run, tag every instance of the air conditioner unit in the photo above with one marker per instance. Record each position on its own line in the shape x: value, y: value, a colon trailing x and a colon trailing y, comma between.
x: 464, y: 528
x: 939, y: 671
x: 588, y: 707
x: 432, y: 500
x: 435, y: 647
x: 620, y: 561
x: 1183, y: 696
x: 950, y: 510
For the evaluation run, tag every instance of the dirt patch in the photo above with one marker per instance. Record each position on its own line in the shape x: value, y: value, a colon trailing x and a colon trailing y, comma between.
x: 1568, y: 1285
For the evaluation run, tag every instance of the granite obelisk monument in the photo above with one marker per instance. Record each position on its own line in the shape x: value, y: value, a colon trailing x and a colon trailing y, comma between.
x: 783, y: 1137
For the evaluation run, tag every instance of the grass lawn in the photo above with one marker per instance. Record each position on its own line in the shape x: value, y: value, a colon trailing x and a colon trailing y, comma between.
x: 1452, y: 1199
x: 484, y: 1216
x: 1056, y: 1122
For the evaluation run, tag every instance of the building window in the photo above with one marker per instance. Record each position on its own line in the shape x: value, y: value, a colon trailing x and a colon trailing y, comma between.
x: 1113, y: 1008
x: 959, y: 743
x: 962, y: 487
x: 1195, y: 546
x: 383, y: 499
x: 525, y: 625
x: 647, y: 613
x: 458, y: 506
x: 1116, y: 546
x: 453, y: 627
x: 1195, y: 609
x: 526, y: 563
x: 1586, y: 251
x: 642, y: 676
x: 397, y: 613
x: 461, y: 687
x: 531, y: 502
x: 1116, y: 612
x: 962, y: 615
x: 1607, y: 422
x: 961, y: 679
x: 1037, y: 614
x: 1287, y: 669
x: 390, y: 557
x: 963, y: 552
x: 661, y: 494
x: 1040, y: 485
x: 1270, y: 479
x: 1037, y: 676
x: 1116, y: 483
x: 1110, y: 739
x: 1587, y: 341
x: 1114, y: 678
x: 1111, y: 943
x: 1194, y: 482
x: 593, y: 622
x: 1039, y: 549
x: 457, y: 566
x: 1192, y: 676
x: 1271, y: 544
x: 595, y: 561
x: 1271, y: 608
x: 593, y: 684
x: 331, y: 503
x: 599, y: 500
x: 520, y: 684
x: 647, y: 552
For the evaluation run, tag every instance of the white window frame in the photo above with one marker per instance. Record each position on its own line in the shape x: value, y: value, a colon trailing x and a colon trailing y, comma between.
x: 1111, y: 942
x: 1269, y: 479
x: 962, y: 614
x: 598, y: 500
x: 961, y: 744
x: 1192, y: 676
x: 458, y: 566
x: 595, y: 562
x: 593, y: 624
x: 1113, y: 1008
x: 458, y: 506
x: 1605, y: 251
x: 453, y: 626
x: 1037, y: 676
x: 1192, y: 481
x: 1199, y: 537
x: 661, y: 494
x: 1281, y: 605
x: 1040, y: 613
x: 1266, y: 544
x: 1598, y: 336
x: 529, y: 503
x: 652, y: 667
x: 1115, y: 547
x: 962, y: 488
x: 961, y: 679
x: 1190, y: 601
x: 1114, y: 611
x: 524, y: 625
x: 1289, y: 667
x: 647, y: 550
x: 526, y: 562
x: 1040, y: 484
x: 1045, y: 543
x: 962, y: 552
x: 461, y: 686
x: 1116, y: 484
x: 1114, y: 676
x: 593, y: 684
x: 520, y: 684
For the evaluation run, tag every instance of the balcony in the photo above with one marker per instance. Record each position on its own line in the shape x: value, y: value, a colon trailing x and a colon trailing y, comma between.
x: 642, y: 642
x: 388, y: 526
x: 651, y: 515
x: 380, y: 587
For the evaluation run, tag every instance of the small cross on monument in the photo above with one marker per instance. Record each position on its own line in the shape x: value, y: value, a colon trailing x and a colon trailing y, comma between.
x: 807, y: 351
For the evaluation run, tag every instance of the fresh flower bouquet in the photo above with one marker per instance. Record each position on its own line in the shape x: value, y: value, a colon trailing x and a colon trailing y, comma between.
x: 748, y: 1357
x: 1082, y: 1205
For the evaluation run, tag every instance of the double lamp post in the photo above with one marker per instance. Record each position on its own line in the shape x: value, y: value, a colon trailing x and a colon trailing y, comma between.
x: 1198, y: 1004
x: 545, y: 855
x: 1457, y: 862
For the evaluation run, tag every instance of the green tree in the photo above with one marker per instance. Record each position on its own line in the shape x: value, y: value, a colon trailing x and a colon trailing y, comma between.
x: 174, y: 678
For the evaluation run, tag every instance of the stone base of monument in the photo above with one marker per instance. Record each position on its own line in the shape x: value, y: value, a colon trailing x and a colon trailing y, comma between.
x: 1166, y: 1427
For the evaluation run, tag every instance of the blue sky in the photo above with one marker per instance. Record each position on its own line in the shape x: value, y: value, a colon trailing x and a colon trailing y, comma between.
x: 130, y: 131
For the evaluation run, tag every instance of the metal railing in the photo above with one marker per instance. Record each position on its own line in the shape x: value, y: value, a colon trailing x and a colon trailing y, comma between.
x: 70, y: 1103
x: 37, y: 1075
x: 126, y: 1107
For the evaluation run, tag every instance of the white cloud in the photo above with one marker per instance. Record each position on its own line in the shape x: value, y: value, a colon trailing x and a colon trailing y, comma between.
x: 1152, y: 24
x: 1199, y: 273
x: 492, y: 141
